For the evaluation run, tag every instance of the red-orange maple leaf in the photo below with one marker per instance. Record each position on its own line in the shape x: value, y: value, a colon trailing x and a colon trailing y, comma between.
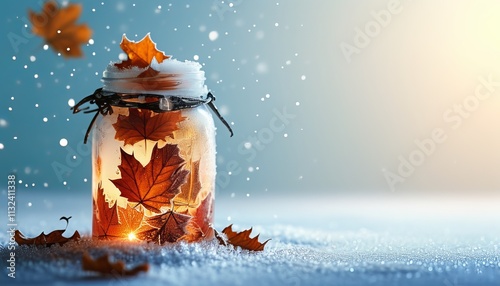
x: 143, y: 124
x: 243, y: 240
x: 162, y: 228
x: 140, y: 54
x: 154, y: 185
x: 188, y: 197
x: 200, y: 226
x: 129, y: 219
x: 58, y: 28
x: 114, y: 222
x: 105, y: 216
x: 102, y: 265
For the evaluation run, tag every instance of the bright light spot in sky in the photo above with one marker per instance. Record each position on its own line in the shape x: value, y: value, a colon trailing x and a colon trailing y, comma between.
x: 212, y: 36
x: 63, y: 142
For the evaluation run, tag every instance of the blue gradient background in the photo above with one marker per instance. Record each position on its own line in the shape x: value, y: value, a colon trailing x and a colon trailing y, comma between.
x: 354, y: 120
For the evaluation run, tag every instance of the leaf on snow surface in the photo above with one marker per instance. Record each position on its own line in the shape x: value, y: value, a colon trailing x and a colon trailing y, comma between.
x: 47, y: 239
x: 242, y: 239
x: 102, y: 265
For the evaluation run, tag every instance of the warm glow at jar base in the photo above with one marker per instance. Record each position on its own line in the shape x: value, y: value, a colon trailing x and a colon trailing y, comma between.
x: 131, y: 236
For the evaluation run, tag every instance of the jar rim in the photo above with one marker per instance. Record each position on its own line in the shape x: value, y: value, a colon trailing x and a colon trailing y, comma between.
x: 174, y: 78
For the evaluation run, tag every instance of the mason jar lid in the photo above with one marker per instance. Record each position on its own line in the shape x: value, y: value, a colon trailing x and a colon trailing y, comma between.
x: 169, y: 78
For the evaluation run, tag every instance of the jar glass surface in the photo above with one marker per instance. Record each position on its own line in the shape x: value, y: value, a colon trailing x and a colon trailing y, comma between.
x: 154, y: 175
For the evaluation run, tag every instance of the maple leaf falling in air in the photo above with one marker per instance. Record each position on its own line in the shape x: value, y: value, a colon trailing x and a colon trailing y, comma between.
x: 58, y: 28
x: 188, y: 196
x: 162, y: 228
x: 154, y: 185
x: 143, y: 124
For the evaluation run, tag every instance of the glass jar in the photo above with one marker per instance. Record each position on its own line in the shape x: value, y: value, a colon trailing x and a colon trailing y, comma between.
x: 153, y: 156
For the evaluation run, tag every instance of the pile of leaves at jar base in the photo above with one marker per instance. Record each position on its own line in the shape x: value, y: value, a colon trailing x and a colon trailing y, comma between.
x: 104, y: 266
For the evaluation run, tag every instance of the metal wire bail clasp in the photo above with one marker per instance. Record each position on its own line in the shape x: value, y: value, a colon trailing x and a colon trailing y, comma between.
x: 210, y: 103
x: 105, y: 100
x: 103, y: 107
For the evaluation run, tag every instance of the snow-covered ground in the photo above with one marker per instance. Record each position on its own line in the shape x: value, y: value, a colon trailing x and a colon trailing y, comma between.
x: 316, y: 241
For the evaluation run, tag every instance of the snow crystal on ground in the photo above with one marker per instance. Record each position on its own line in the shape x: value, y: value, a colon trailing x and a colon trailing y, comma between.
x: 349, y: 243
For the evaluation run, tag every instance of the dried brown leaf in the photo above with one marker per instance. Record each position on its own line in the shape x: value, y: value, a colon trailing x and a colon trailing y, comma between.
x: 242, y: 239
x: 102, y: 265
x: 54, y: 237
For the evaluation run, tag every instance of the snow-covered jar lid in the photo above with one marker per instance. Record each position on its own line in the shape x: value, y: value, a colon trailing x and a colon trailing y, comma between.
x: 169, y: 78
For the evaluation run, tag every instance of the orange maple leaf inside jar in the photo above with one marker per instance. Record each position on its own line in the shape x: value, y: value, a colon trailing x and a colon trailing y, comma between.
x: 153, y: 149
